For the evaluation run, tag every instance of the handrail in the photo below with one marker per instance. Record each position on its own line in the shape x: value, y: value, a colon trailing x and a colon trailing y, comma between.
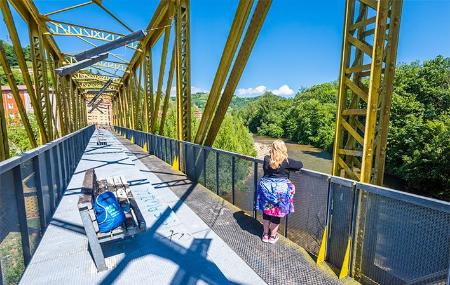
x: 12, y: 162
x: 380, y: 190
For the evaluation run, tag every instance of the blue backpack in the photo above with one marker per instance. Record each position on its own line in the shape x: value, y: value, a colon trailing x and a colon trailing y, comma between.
x: 108, y: 211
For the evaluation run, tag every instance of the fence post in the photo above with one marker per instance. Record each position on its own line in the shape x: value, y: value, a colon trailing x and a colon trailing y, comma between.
x: 233, y: 166
x: 255, y: 182
x: 22, y: 214
x: 217, y: 173
x: 37, y: 181
x: 353, y: 226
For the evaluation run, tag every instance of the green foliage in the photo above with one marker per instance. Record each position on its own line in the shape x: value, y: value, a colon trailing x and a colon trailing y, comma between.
x: 419, y: 134
x: 199, y: 99
x: 12, y: 60
x: 266, y: 115
x: 418, y: 149
x: 17, y: 136
x: 311, y: 122
x: 233, y: 135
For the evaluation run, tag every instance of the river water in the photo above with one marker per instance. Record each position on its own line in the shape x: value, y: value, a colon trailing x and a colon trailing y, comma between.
x: 314, y: 158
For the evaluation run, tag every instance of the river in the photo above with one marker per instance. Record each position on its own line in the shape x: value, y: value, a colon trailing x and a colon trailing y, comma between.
x: 314, y: 158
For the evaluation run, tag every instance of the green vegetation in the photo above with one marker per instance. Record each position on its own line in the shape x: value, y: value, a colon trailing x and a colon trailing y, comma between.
x: 233, y: 135
x: 12, y: 60
x: 419, y: 134
x: 199, y: 100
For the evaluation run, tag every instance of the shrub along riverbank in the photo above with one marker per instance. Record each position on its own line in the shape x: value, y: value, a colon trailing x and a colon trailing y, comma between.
x: 419, y: 132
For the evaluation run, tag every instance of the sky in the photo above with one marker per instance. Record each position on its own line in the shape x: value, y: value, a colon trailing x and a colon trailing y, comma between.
x: 299, y: 44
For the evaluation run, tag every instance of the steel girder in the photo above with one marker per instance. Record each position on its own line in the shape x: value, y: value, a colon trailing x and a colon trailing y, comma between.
x: 59, y: 28
x: 17, y: 99
x: 365, y: 88
x: 368, y: 60
x: 183, y: 69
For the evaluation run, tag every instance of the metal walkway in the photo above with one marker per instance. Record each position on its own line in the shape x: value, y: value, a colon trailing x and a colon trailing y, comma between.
x: 282, y: 263
x: 178, y: 248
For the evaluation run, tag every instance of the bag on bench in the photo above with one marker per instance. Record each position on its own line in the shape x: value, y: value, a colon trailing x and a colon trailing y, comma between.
x: 108, y: 211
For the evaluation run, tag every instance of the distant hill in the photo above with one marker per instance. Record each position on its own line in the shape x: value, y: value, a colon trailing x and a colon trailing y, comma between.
x: 199, y: 99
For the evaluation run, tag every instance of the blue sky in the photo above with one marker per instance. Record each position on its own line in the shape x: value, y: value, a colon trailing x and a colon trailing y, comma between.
x: 299, y: 44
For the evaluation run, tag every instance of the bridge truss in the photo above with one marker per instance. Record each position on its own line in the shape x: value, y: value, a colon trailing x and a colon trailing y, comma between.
x: 370, y: 38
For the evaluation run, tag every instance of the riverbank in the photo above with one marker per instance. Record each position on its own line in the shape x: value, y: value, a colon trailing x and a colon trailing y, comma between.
x: 313, y: 158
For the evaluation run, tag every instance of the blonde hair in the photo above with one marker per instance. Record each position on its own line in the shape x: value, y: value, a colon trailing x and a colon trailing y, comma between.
x: 278, y: 154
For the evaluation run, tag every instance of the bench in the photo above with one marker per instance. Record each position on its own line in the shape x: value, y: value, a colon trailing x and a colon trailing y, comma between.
x: 134, y: 221
x: 101, y: 140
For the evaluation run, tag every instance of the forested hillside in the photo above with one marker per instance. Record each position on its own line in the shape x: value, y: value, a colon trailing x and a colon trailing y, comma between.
x: 419, y: 133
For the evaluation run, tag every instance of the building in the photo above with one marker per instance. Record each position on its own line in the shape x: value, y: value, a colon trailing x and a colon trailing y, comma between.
x: 9, y: 104
x: 101, y: 115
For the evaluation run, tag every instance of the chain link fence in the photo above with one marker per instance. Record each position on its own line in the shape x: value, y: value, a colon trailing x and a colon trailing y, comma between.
x: 394, y: 237
x: 31, y: 185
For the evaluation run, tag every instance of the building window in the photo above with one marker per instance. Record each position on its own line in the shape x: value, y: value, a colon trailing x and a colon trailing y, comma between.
x: 10, y: 106
x: 11, y: 116
x: 9, y: 96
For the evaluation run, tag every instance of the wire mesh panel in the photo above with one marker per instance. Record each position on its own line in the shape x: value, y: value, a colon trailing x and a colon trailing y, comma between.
x: 11, y: 256
x: 244, y: 185
x: 402, y: 242
x: 47, y: 197
x: 29, y: 185
x: 53, y: 167
x: 307, y: 223
x: 189, y: 161
x: 342, y: 193
x: 210, y: 169
x: 225, y: 177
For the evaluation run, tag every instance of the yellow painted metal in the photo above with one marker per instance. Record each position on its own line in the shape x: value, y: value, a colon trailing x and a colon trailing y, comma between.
x: 175, y: 164
x: 15, y: 91
x: 40, y: 73
x: 9, y: 21
x: 148, y: 88
x: 183, y: 69
x: 346, y: 263
x: 361, y: 126
x: 234, y: 36
x: 365, y: 89
x: 157, y: 18
x: 4, y: 144
x: 388, y: 78
x: 60, y: 28
x: 323, y: 247
x: 258, y: 17
x: 69, y: 8
x: 161, y: 76
x: 167, y: 96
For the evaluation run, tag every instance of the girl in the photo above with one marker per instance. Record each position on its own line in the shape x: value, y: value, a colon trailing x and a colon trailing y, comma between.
x: 275, y: 191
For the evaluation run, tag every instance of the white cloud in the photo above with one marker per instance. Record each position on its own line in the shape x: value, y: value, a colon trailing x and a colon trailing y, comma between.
x: 251, y: 92
x: 194, y: 90
x: 283, y: 90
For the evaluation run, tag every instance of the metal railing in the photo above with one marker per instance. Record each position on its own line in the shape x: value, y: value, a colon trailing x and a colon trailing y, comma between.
x: 31, y: 186
x: 398, y: 238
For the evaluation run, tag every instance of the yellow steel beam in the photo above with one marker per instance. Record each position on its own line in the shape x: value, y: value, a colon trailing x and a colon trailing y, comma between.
x: 9, y: 21
x: 15, y: 91
x: 60, y: 28
x: 258, y: 17
x: 69, y: 8
x: 183, y: 69
x: 162, y: 68
x: 4, y: 144
x: 168, y: 89
x: 234, y: 36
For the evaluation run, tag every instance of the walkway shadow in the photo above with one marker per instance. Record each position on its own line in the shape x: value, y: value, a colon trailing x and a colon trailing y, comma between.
x: 192, y: 262
x: 248, y: 224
